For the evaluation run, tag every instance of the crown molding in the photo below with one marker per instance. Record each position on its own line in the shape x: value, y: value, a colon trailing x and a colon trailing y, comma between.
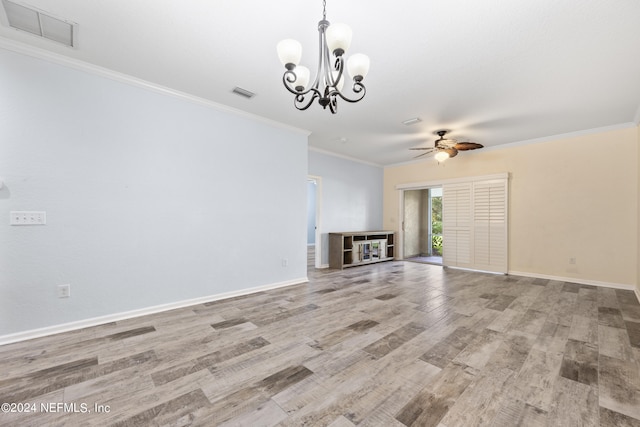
x: 96, y: 70
x: 342, y: 156
x: 567, y: 135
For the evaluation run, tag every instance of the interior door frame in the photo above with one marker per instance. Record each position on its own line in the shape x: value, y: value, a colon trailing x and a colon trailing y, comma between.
x: 418, y: 186
x: 318, y: 233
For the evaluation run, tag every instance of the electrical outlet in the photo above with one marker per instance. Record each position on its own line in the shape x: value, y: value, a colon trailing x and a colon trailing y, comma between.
x: 285, y: 262
x: 64, y: 291
x: 572, y: 260
x: 27, y: 218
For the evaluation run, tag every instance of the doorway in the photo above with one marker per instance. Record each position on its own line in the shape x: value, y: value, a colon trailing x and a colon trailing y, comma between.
x: 422, y: 225
x: 314, y: 241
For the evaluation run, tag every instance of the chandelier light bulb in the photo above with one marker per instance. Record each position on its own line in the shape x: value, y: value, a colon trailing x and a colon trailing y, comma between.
x: 289, y: 52
x: 338, y: 38
x: 302, y: 78
x: 358, y: 66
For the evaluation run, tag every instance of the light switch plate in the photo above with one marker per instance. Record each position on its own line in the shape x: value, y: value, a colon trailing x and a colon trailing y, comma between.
x: 28, y: 218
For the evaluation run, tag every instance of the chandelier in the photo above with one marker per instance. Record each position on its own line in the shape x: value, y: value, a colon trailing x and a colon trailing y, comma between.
x: 330, y: 78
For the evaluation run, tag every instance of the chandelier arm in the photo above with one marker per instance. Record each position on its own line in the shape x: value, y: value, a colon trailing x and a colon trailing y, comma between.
x: 324, y: 60
x: 358, y: 88
x: 290, y: 77
x: 333, y: 106
x: 326, y: 65
x: 287, y: 79
x: 299, y: 100
x: 339, y: 67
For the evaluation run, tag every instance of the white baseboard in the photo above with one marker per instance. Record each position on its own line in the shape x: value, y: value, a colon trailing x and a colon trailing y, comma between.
x: 95, y: 321
x: 576, y: 280
x: 71, y: 326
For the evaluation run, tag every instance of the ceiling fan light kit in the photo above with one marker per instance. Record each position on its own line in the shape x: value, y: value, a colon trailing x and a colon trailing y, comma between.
x: 446, y: 148
x: 329, y: 81
x: 441, y: 156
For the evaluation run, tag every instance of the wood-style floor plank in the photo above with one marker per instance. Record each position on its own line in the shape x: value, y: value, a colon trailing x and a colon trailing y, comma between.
x: 391, y: 344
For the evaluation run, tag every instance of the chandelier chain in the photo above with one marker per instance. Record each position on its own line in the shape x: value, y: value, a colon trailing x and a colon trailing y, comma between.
x: 324, y: 10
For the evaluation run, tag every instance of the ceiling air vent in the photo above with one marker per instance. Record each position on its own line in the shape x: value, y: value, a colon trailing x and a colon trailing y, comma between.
x: 412, y: 121
x: 243, y: 92
x: 40, y: 23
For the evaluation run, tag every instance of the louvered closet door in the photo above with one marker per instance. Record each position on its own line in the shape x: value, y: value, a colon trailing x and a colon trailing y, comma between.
x: 490, y: 225
x: 457, y: 225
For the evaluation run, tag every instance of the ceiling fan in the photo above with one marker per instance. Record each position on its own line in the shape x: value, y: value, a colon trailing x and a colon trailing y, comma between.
x: 446, y: 148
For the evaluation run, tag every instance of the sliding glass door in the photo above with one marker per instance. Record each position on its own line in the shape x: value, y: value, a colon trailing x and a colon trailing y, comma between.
x: 460, y: 222
x: 422, y: 225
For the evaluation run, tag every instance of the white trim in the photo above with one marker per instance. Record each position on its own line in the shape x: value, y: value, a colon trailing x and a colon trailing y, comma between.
x: 400, y: 231
x: 475, y: 270
x: 86, y: 323
x: 133, y: 81
x: 343, y: 156
x: 562, y: 279
x: 318, y: 236
x: 576, y: 280
x: 441, y: 182
x: 567, y: 135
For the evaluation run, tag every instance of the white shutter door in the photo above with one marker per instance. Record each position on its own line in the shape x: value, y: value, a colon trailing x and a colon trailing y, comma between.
x: 449, y: 246
x: 456, y: 225
x: 474, y: 225
x: 490, y: 225
x: 481, y: 213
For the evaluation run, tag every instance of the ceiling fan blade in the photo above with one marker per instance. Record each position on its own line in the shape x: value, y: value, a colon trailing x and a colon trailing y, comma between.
x: 421, y: 148
x: 463, y: 146
x: 423, y: 154
x: 451, y: 151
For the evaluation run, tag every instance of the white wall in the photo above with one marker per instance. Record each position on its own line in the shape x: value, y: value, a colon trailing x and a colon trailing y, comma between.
x: 351, y: 198
x: 150, y: 199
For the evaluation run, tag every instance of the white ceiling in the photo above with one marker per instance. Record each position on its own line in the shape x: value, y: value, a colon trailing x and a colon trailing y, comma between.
x: 492, y: 71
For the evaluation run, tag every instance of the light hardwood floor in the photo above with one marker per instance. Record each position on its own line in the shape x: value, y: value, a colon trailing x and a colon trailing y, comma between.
x: 390, y: 344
